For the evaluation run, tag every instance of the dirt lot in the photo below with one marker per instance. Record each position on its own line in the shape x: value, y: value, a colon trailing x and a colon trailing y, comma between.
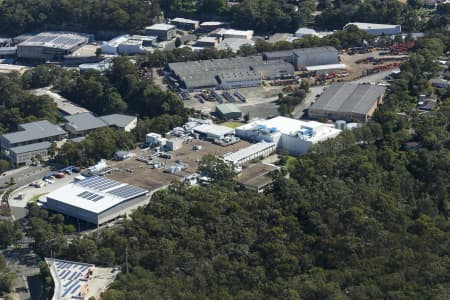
x: 357, y: 70
x: 144, y: 176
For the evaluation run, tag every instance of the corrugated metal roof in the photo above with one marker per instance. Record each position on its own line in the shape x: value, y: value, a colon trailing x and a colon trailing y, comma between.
x: 34, y: 131
x: 228, y: 108
x: 85, y: 121
x: 349, y: 98
x: 118, y: 120
x: 31, y: 147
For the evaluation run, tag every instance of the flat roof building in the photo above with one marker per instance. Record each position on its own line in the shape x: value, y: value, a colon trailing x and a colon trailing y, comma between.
x: 256, y: 177
x: 301, y: 32
x: 348, y: 101
x: 51, y: 45
x: 292, y: 135
x: 164, y: 32
x: 128, y: 44
x: 252, y: 152
x: 377, y: 29
x: 232, y: 33
x: 185, y: 24
x: 207, y: 42
x: 210, y: 26
x: 96, y: 199
x: 228, y: 111
x: 213, y: 131
x: 234, y: 44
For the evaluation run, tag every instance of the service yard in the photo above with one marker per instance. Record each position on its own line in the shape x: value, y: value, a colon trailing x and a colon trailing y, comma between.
x: 135, y: 172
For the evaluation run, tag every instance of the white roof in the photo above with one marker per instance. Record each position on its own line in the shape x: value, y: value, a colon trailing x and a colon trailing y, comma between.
x: 246, y: 152
x: 183, y: 20
x: 211, y: 23
x: 372, y: 25
x: 96, y: 194
x: 291, y: 127
x: 214, y: 129
x: 207, y: 39
x: 326, y: 67
x: 235, y: 32
x: 305, y: 31
x: 115, y: 42
x: 160, y: 26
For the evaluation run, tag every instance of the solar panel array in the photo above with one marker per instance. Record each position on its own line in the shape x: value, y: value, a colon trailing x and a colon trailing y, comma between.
x: 90, y: 196
x: 127, y: 191
x: 71, y: 275
x: 109, y: 186
x: 99, y: 183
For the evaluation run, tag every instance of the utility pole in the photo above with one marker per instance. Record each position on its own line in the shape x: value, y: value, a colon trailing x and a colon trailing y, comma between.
x: 126, y: 259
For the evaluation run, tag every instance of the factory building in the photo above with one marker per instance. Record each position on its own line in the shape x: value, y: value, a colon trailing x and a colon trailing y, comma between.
x: 348, y: 101
x: 377, y: 29
x: 96, y: 200
x: 234, y: 44
x: 314, y: 57
x: 119, y: 121
x: 185, y: 24
x: 51, y: 45
x: 232, y: 33
x: 255, y: 151
x: 126, y: 44
x: 207, y: 42
x: 213, y: 131
x: 302, y: 58
x: 294, y: 136
x: 228, y: 111
x: 164, y: 32
x: 228, y: 73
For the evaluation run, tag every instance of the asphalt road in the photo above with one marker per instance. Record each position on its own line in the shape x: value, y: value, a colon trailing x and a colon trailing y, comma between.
x: 23, y: 176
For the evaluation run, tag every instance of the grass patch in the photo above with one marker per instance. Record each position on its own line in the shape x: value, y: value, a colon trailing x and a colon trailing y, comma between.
x: 232, y: 124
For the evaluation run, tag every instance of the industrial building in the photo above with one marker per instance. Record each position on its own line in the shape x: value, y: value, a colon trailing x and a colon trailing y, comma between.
x: 348, y: 101
x: 213, y: 131
x: 207, y: 42
x: 31, y: 133
x: 252, y: 152
x: 228, y: 73
x: 51, y: 45
x: 305, y: 57
x: 314, y: 57
x: 234, y: 44
x: 84, y: 123
x: 377, y: 29
x: 24, y: 155
x: 228, y: 111
x: 96, y: 199
x: 31, y: 141
x: 119, y: 121
x: 185, y: 24
x: 232, y: 33
x: 210, y: 26
x: 164, y: 32
x: 129, y: 44
x: 294, y: 136
x: 301, y: 32
x: 256, y: 177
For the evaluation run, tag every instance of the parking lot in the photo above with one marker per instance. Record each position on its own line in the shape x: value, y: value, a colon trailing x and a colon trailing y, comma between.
x: 143, y: 175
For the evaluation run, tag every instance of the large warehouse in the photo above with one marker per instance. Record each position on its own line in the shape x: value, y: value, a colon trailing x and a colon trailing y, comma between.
x: 377, y: 29
x: 228, y: 73
x: 348, y: 101
x: 305, y: 57
x: 294, y: 136
x: 51, y: 45
x: 96, y: 200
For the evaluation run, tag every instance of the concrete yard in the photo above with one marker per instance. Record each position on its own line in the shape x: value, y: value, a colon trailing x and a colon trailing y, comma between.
x: 138, y: 173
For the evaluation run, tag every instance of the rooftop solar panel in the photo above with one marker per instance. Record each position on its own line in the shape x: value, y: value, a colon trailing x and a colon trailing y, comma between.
x: 127, y: 191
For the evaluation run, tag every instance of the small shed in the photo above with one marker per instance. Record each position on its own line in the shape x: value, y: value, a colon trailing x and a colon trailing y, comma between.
x: 174, y: 144
x: 228, y: 111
